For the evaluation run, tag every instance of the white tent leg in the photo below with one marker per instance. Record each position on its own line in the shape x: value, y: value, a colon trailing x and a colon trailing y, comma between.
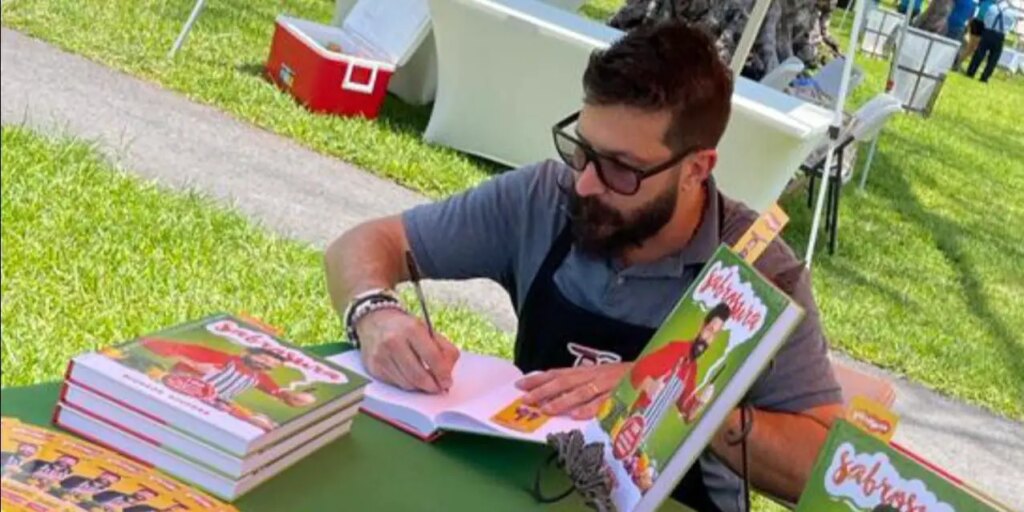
x: 757, y: 14
x: 837, y: 123
x: 198, y: 8
x: 846, y: 12
x: 867, y: 164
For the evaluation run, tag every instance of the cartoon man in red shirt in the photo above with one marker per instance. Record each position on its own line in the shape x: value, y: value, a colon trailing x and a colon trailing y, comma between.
x: 229, y: 375
x: 668, y: 375
x: 666, y: 378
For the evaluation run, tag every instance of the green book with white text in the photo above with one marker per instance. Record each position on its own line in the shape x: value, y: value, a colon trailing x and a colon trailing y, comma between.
x: 692, y: 374
x: 858, y: 472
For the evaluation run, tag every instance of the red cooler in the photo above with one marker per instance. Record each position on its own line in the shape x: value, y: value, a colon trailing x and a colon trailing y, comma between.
x: 339, y: 70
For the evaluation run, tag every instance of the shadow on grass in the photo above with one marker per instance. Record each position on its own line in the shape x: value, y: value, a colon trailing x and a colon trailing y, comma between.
x: 951, y: 238
x: 977, y: 135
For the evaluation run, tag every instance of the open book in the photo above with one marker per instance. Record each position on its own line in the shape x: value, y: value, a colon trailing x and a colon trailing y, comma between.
x: 483, y: 389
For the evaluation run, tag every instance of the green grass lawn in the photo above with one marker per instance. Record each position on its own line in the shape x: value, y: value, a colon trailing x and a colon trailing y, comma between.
x: 92, y: 256
x: 926, y: 282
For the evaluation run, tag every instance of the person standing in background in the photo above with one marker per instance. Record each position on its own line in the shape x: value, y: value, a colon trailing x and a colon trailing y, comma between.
x: 999, y: 19
x: 975, y: 28
x: 956, y: 23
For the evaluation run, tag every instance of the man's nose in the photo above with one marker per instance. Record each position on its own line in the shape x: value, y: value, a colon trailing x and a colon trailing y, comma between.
x: 588, y: 183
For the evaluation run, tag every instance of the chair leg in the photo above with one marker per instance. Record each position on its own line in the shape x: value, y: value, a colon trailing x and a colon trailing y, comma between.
x: 867, y: 163
x: 835, y: 189
x: 834, y: 232
x: 810, y: 192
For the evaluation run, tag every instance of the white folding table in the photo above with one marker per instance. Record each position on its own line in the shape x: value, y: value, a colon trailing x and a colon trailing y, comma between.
x: 509, y: 69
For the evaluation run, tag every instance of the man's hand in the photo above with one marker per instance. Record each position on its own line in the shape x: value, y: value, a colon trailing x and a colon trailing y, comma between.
x: 396, y: 346
x: 576, y: 392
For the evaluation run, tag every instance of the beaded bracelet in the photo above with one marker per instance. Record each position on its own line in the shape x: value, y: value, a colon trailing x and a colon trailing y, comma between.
x: 364, y: 304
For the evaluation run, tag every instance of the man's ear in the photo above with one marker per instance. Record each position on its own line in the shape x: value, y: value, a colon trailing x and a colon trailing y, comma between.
x: 697, y: 168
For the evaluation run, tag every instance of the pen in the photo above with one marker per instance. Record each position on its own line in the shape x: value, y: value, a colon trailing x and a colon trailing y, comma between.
x: 414, y: 276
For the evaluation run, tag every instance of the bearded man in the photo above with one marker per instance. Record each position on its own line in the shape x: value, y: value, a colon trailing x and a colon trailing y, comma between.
x: 595, y: 251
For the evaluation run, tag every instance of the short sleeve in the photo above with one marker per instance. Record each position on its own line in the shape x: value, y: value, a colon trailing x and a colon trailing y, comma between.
x: 800, y: 376
x: 486, y: 231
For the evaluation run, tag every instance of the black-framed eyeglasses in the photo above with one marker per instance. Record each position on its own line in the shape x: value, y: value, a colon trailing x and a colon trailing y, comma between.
x: 615, y: 174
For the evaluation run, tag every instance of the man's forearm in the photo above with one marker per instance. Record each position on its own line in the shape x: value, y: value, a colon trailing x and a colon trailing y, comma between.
x: 781, y: 448
x: 366, y: 257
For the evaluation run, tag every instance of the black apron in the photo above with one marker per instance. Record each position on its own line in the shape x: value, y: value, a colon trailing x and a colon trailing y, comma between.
x: 554, y: 333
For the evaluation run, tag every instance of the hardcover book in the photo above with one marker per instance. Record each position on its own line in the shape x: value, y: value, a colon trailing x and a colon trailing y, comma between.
x: 857, y: 471
x: 692, y: 374
x: 228, y: 382
x: 483, y: 400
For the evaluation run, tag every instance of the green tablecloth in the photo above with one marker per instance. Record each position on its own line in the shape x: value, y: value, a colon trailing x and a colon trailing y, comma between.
x: 377, y: 467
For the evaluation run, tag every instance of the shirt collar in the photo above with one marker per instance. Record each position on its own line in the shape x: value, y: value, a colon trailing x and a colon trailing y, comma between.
x: 697, y: 252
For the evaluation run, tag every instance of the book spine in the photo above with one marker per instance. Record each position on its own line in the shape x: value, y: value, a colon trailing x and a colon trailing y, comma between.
x: 58, y: 419
x: 404, y: 428
x: 117, y: 383
x: 155, y: 456
x: 135, y: 448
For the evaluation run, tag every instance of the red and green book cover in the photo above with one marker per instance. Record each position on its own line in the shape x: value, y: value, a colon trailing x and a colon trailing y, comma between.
x: 227, y: 381
x: 692, y: 374
x: 860, y: 472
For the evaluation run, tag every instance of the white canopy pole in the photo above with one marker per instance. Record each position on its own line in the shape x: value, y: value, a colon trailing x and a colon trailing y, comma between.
x: 889, y: 85
x: 837, y: 123
x: 757, y: 14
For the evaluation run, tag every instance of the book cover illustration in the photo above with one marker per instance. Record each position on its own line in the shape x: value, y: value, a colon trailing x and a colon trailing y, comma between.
x: 46, y: 470
x: 20, y: 499
x: 235, y: 367
x: 689, y: 361
x: 857, y: 471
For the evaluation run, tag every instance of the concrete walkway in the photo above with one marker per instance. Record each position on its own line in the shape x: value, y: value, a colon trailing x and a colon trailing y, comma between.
x: 301, y: 194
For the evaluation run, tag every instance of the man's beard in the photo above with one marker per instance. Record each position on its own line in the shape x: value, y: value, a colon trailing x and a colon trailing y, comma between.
x: 606, y: 232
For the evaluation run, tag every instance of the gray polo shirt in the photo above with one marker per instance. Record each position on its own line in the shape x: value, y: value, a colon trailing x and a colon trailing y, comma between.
x: 503, y: 229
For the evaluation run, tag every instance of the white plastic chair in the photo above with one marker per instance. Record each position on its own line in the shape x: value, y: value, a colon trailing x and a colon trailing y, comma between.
x: 868, y: 125
x: 780, y: 77
x: 864, y: 126
x: 830, y: 77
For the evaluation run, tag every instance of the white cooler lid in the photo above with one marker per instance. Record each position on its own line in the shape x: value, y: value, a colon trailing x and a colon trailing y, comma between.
x: 394, y: 27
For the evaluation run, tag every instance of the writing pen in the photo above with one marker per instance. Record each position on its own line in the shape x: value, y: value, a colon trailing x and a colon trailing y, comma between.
x: 414, y: 276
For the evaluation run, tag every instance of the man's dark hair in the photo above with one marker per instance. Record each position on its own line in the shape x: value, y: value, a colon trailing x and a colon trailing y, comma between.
x: 721, y: 310
x: 667, y: 65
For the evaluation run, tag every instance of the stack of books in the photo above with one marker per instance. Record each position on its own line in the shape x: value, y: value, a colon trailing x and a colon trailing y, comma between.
x: 222, y: 403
